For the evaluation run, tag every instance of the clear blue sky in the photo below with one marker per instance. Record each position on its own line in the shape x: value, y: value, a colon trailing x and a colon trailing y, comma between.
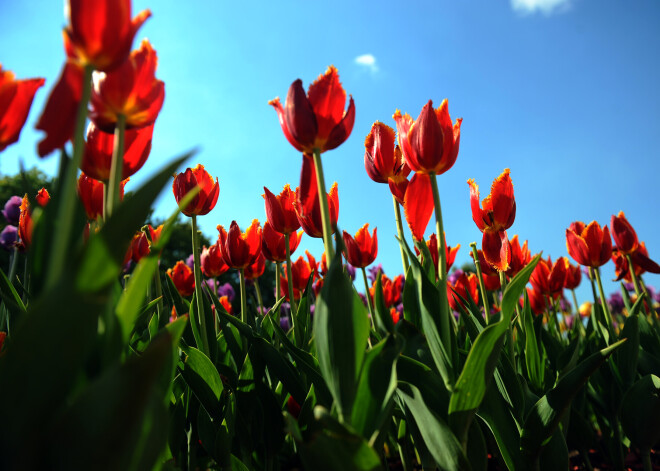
x: 564, y: 93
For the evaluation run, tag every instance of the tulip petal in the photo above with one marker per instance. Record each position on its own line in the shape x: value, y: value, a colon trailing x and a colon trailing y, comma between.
x: 577, y: 248
x: 327, y: 98
x: 418, y: 204
x: 299, y: 116
x: 343, y: 129
x: 475, y: 206
x: 426, y: 140
x: 495, y: 246
x: 645, y: 262
x: 503, y: 202
x: 379, y: 157
x: 280, y: 115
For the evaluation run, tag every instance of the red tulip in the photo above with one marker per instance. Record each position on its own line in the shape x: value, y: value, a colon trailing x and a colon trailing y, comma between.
x: 141, y: 246
x: 226, y: 304
x: 641, y: 263
x: 43, y: 197
x: 450, y: 252
x: 90, y: 192
x: 212, y: 263
x: 301, y: 271
x: 466, y: 286
x: 316, y: 121
x: 573, y: 276
x: 497, y: 215
x: 429, y: 144
x: 273, y: 246
x: 392, y: 289
x: 418, y: 204
x: 489, y: 274
x: 520, y: 256
x: 101, y: 32
x: 383, y: 160
x: 361, y: 251
x: 97, y: 158
x: 205, y: 200
x: 240, y: 249
x: 624, y: 235
x: 280, y: 211
x: 15, y: 101
x: 131, y: 89
x: 548, y: 278
x: 183, y: 278
x: 256, y: 268
x: 25, y: 222
x: 307, y: 205
x: 589, y: 245
x: 536, y: 300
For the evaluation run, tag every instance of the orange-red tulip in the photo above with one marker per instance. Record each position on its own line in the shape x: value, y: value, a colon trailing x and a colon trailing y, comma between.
x: 183, y: 278
x: 100, y: 33
x: 361, y: 251
x: 226, y: 304
x: 536, y: 300
x: 25, y: 221
x: 240, y: 249
x: 489, y: 274
x: 520, y: 256
x: 43, y: 197
x: 15, y: 101
x: 205, y: 200
x: 429, y: 144
x: 316, y: 121
x: 641, y: 263
x: 418, y: 204
x: 280, y: 212
x: 623, y: 234
x: 450, y: 252
x: 140, y: 246
x: 573, y: 276
x: 493, y: 217
x: 256, y: 268
x: 301, y: 271
x: 90, y: 192
x: 307, y: 205
x: 273, y: 246
x: 466, y: 286
x: 97, y: 158
x: 548, y: 278
x: 383, y: 160
x: 589, y: 245
x: 392, y: 289
x: 212, y: 263
x: 131, y: 89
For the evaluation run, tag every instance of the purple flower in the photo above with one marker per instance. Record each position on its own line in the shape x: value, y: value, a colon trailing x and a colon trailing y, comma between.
x: 285, y: 308
x: 350, y: 269
x: 262, y: 310
x: 373, y: 272
x: 569, y: 321
x: 616, y: 303
x: 190, y: 261
x: 226, y: 290
x: 9, y: 237
x: 455, y: 275
x: 564, y: 305
x: 284, y: 323
x: 209, y: 283
x: 12, y: 209
x: 629, y: 287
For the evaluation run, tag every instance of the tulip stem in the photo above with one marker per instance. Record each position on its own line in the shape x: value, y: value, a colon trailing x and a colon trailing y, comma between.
x: 638, y: 288
x: 243, y: 298
x: 198, y: 287
x: 603, y: 300
x: 116, y: 168
x: 482, y: 286
x: 66, y: 208
x: 368, y: 296
x: 325, y: 211
x: 278, y: 271
x: 289, y: 278
x: 445, y: 322
x: 260, y: 300
x: 509, y: 330
x: 399, y: 231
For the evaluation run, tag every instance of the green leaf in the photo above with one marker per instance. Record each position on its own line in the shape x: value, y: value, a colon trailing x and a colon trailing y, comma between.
x: 438, y: 437
x: 203, y: 379
x: 533, y: 359
x: 428, y: 382
x: 640, y: 412
x: 628, y: 355
x: 546, y: 414
x: 12, y: 300
x: 383, y: 319
x: 341, y: 329
x: 280, y: 367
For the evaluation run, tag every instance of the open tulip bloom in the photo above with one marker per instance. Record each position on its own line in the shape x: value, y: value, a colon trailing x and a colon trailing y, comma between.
x: 15, y: 101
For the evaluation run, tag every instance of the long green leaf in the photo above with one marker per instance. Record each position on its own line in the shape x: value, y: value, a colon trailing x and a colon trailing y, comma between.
x: 204, y: 380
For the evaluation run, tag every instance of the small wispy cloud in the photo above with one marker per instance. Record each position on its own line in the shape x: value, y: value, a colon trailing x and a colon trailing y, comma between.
x: 544, y: 6
x: 368, y: 61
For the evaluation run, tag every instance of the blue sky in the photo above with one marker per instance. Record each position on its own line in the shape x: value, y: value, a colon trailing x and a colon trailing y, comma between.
x: 564, y: 93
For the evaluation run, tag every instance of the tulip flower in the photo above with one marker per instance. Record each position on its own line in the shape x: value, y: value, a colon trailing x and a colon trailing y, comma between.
x: 624, y: 235
x: 280, y: 211
x: 301, y: 271
x: 316, y: 121
x: 450, y: 252
x: 131, y: 90
x: 15, y: 101
x: 429, y: 144
x: 12, y: 209
x: 205, y: 200
x: 273, y: 243
x: 489, y: 274
x: 392, y: 290
x: 256, y: 268
x: 90, y: 192
x: 307, y: 206
x: 98, y: 151
x: 536, y: 300
x: 548, y: 278
x: 573, y: 276
x: 141, y: 244
x: 466, y: 287
x: 418, y: 204
x: 640, y: 260
x: 520, y: 256
x: 240, y: 249
x: 384, y: 161
x: 226, y: 304
x: 362, y: 249
x: 100, y: 33
x: 589, y: 245
x: 25, y: 221
x: 43, y: 197
x: 493, y: 217
x: 9, y: 237
x: 183, y: 278
x: 212, y: 263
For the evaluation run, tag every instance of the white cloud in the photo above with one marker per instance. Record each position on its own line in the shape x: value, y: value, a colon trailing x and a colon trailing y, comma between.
x: 368, y: 61
x: 545, y: 6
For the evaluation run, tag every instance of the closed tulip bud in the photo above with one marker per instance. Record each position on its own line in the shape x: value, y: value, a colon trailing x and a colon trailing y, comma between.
x: 548, y: 278
x: 280, y: 211
x: 465, y: 287
x: 240, y: 249
x: 183, y: 278
x: 273, y: 243
x: 361, y: 251
x: 624, y: 235
x: 589, y: 245
x: 205, y: 200
x: 213, y: 265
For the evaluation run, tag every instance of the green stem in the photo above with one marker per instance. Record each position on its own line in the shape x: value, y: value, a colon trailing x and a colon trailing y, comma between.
x: 289, y: 278
x: 603, y: 300
x: 13, y: 265
x: 114, y: 186
x: 638, y: 288
x: 509, y: 330
x: 575, y: 304
x: 260, y: 300
x: 445, y: 323
x: 159, y: 294
x: 59, y: 252
x: 482, y: 286
x: 198, y: 287
x: 244, y: 316
x: 325, y: 211
x: 646, y: 460
x: 399, y: 231
x: 368, y: 296
x: 278, y: 270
